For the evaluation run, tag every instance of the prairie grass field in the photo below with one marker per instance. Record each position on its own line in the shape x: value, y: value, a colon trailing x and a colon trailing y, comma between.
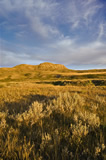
x: 53, y: 118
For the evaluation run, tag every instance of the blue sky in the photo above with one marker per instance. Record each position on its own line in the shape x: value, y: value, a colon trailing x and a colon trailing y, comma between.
x: 69, y: 32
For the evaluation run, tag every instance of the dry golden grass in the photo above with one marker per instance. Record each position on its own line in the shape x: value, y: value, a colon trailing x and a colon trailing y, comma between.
x: 43, y: 121
x: 48, y: 112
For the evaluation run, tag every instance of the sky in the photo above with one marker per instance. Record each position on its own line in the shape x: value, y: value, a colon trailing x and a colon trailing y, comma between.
x: 69, y: 32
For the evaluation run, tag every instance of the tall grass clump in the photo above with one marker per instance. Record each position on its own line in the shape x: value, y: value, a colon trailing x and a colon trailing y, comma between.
x: 63, y: 128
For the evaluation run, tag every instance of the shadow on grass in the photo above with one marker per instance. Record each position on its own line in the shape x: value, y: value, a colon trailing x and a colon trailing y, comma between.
x: 76, y: 83
x: 23, y: 104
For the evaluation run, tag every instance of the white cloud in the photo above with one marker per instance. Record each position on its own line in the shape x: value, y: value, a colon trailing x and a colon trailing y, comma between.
x: 40, y: 12
x: 36, y: 12
x: 44, y: 16
x: 102, y: 31
x: 44, y: 30
x: 66, y: 51
x: 54, y: 21
x: 8, y: 58
x: 79, y: 13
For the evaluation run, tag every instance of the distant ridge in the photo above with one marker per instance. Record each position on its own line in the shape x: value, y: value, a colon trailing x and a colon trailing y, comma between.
x: 51, y: 66
x: 48, y: 71
x: 43, y: 66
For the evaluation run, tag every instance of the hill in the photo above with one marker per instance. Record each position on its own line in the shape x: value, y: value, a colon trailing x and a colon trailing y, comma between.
x: 52, y: 67
x: 25, y: 71
x: 51, y: 72
x: 42, y: 66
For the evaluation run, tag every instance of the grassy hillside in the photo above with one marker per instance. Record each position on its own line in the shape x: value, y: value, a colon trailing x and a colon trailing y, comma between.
x: 48, y: 112
x: 48, y: 71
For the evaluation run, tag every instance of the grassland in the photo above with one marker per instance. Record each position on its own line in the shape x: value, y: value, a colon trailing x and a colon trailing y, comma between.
x: 48, y: 112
